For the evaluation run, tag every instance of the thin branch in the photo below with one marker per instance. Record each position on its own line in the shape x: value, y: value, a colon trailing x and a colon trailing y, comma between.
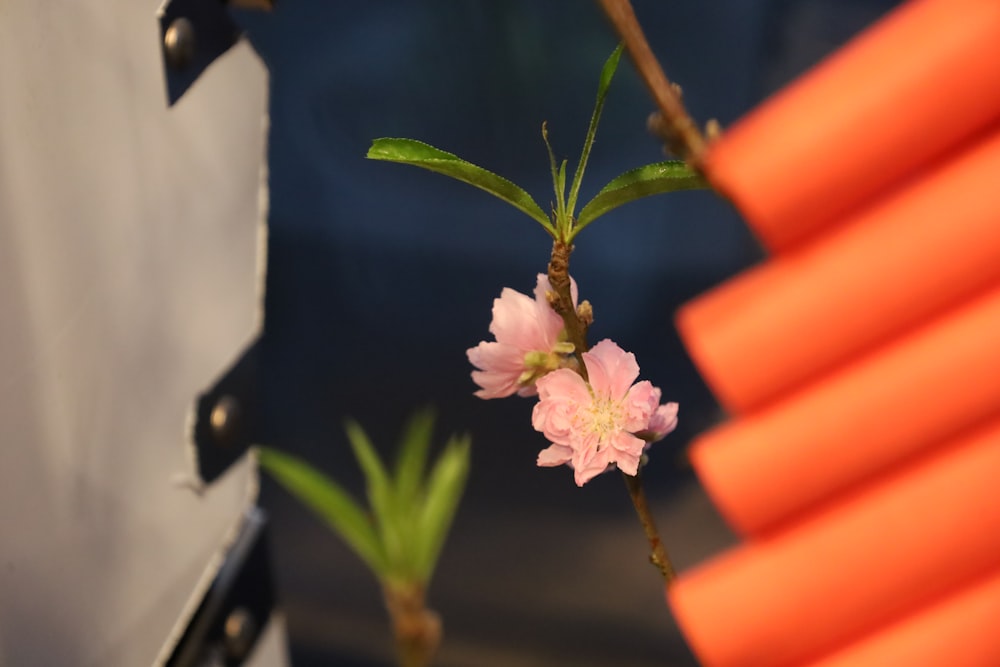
x: 561, y: 301
x: 658, y: 553
x: 674, y: 125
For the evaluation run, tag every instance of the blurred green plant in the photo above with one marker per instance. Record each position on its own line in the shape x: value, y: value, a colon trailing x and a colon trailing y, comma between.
x: 401, y: 533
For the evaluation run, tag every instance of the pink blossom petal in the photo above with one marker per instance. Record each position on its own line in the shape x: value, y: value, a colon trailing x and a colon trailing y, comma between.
x: 492, y: 385
x: 610, y: 369
x: 564, y: 384
x: 527, y: 345
x: 500, y: 367
x: 526, y: 390
x: 561, y: 394
x: 496, y: 356
x: 663, y: 421
x: 627, y: 452
x: 590, y: 463
x: 515, y: 321
x: 555, y: 455
x: 639, y: 405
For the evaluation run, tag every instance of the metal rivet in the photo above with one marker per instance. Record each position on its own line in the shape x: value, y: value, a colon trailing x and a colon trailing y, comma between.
x: 240, y: 631
x: 178, y: 43
x: 225, y: 418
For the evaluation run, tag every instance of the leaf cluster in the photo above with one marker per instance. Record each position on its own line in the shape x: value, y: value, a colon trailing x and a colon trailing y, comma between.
x: 410, y: 506
x: 563, y: 224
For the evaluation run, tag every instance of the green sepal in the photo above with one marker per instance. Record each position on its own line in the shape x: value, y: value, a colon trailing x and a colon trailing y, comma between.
x: 652, y: 179
x: 419, y: 154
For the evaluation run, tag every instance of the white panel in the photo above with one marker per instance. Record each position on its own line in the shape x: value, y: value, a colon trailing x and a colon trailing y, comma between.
x: 128, y: 237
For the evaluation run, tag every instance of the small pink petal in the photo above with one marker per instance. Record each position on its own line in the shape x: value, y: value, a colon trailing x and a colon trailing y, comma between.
x: 555, y: 455
x: 561, y: 394
x: 499, y: 366
x: 663, y: 421
x: 627, y: 452
x: 515, y: 321
x: 583, y: 475
x: 493, y: 385
x: 493, y: 356
x: 564, y: 384
x: 610, y: 369
x: 639, y: 404
x: 589, y: 463
x: 526, y: 390
x: 629, y: 464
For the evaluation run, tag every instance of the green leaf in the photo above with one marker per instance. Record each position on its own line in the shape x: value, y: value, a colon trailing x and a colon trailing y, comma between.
x: 411, y: 461
x: 607, y: 73
x: 652, y: 179
x: 444, y: 491
x: 328, y: 500
x: 419, y: 154
x: 380, y: 493
x: 560, y: 192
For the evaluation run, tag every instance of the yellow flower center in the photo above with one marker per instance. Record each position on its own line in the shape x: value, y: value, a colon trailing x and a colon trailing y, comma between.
x: 605, y: 417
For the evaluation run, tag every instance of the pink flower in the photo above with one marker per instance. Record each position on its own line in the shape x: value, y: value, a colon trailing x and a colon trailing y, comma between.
x: 592, y: 425
x: 528, y: 343
x: 661, y: 423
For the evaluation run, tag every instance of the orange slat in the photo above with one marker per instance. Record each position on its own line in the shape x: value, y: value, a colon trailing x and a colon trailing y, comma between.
x: 959, y: 631
x: 905, y: 259
x: 905, y: 91
x: 866, y: 417
x: 917, y: 534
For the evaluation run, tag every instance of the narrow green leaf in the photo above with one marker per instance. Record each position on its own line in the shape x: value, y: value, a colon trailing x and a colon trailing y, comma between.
x: 652, y: 179
x: 419, y: 154
x: 564, y: 216
x: 329, y: 501
x: 380, y: 492
x: 560, y: 192
x: 607, y: 73
x: 444, y: 491
x: 411, y: 460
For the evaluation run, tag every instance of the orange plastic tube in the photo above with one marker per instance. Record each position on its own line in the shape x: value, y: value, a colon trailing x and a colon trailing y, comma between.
x: 904, y: 92
x: 898, y: 262
x: 922, y: 532
x: 868, y: 416
x: 961, y: 631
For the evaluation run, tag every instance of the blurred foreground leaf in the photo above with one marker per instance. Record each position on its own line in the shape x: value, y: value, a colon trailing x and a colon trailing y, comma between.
x: 327, y: 499
x: 411, y: 510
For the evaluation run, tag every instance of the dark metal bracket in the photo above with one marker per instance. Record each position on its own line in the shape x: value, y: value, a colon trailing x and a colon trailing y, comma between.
x: 193, y: 33
x: 227, y: 416
x: 237, y: 606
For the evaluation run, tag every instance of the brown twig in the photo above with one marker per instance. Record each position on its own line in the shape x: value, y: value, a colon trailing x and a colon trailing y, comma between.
x: 577, y: 321
x: 657, y: 552
x: 674, y: 125
x: 417, y: 630
x: 562, y: 302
